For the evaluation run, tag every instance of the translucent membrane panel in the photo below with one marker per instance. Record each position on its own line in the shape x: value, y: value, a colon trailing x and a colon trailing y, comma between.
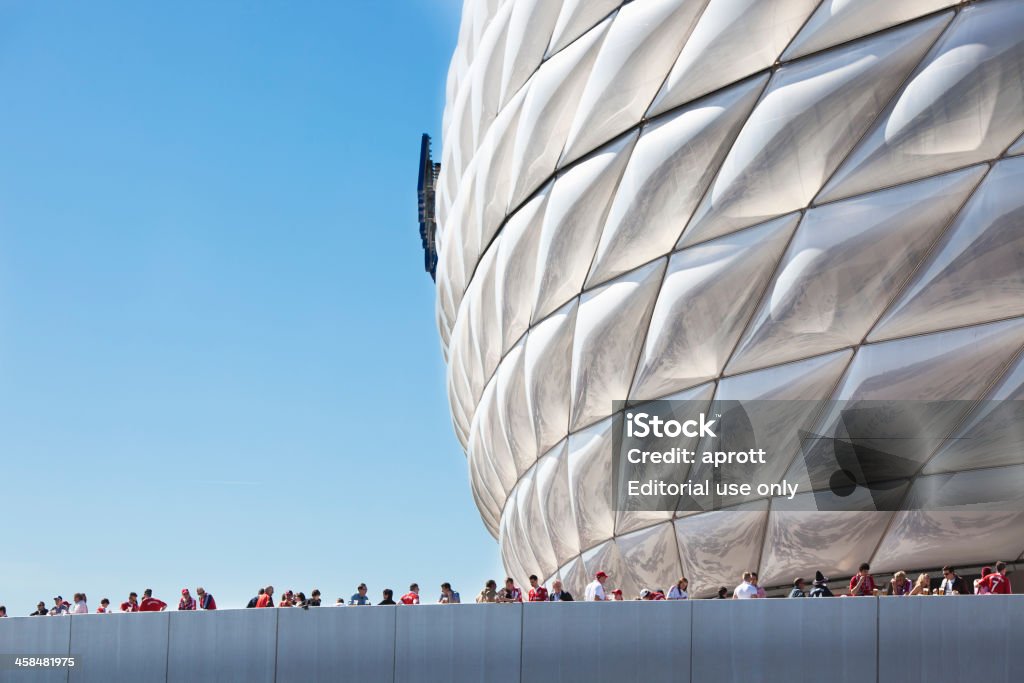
x: 548, y: 358
x: 1018, y: 148
x: 460, y: 419
x: 732, y: 40
x: 956, y: 519
x: 671, y: 167
x: 965, y: 104
x: 510, y: 550
x: 486, y: 332
x: 487, y: 67
x: 552, y: 479
x: 607, y: 558
x: 489, y: 508
x: 451, y: 272
x: 993, y: 432
x: 789, y: 397
x: 975, y: 274
x: 649, y: 559
x: 574, y: 577
x: 464, y: 236
x: 812, y: 114
x: 838, y: 21
x: 514, y: 410
x: 709, y: 293
x: 517, y: 267
x: 451, y: 84
x: 489, y: 443
x: 954, y: 367
x: 459, y: 390
x: 483, y: 14
x: 493, y: 181
x: 590, y: 461
x: 531, y: 535
x: 798, y: 543
x: 627, y: 516
x: 576, y: 18
x: 487, y: 516
x: 529, y: 31
x: 844, y: 266
x: 548, y: 111
x: 642, y: 43
x: 576, y: 210
x: 606, y: 343
x: 462, y: 144
x: 715, y: 548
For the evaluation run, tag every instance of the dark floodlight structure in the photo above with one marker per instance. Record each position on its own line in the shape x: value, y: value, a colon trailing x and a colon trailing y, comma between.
x: 428, y: 221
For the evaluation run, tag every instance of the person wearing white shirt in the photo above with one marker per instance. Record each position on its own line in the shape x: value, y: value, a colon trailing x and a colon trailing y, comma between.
x: 595, y: 589
x: 745, y: 590
x: 678, y: 591
x: 80, y: 606
x: 952, y: 583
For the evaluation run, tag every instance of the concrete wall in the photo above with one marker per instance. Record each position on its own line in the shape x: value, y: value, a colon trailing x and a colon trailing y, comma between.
x: 888, y: 640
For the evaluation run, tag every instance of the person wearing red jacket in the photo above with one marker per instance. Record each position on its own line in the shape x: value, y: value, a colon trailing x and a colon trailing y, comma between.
x: 412, y: 597
x: 996, y: 583
x: 538, y: 593
x: 206, y: 601
x: 151, y: 604
x: 132, y: 604
x: 267, y: 599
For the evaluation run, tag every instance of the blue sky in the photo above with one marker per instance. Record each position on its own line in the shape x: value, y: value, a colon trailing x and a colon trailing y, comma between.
x: 218, y: 358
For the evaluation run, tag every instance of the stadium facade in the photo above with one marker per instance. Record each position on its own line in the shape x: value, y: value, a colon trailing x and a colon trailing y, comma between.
x: 727, y: 199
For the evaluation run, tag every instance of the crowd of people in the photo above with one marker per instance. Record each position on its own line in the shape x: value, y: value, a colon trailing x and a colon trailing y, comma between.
x: 993, y: 581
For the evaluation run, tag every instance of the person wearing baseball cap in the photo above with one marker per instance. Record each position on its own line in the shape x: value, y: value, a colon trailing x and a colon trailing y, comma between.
x: 648, y: 594
x: 617, y: 594
x: 60, y: 606
x: 595, y: 589
x: 186, y: 602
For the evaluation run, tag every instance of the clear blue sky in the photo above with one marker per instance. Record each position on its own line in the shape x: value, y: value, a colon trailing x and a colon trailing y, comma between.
x: 218, y: 358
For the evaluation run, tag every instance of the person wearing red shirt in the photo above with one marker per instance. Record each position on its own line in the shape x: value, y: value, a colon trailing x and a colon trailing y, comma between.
x: 104, y: 607
x: 412, y: 597
x: 510, y: 593
x: 151, y: 604
x: 997, y: 583
x: 862, y: 583
x: 648, y: 594
x: 537, y: 592
x: 187, y: 602
x: 206, y: 601
x: 267, y: 599
x: 132, y: 605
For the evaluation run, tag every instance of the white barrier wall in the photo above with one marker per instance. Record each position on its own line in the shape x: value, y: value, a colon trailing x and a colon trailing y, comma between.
x: 887, y: 640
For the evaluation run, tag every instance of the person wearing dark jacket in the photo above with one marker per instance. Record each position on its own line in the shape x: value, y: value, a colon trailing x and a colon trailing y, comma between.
x: 252, y: 603
x: 557, y: 594
x: 205, y: 600
x: 41, y: 611
x: 798, y: 589
x: 820, y: 589
x: 953, y: 583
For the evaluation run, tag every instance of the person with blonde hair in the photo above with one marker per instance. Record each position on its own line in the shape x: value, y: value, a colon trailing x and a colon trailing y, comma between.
x: 922, y: 586
x: 899, y: 584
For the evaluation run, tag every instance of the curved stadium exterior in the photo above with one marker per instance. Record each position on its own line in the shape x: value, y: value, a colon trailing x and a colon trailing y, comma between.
x: 734, y: 199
